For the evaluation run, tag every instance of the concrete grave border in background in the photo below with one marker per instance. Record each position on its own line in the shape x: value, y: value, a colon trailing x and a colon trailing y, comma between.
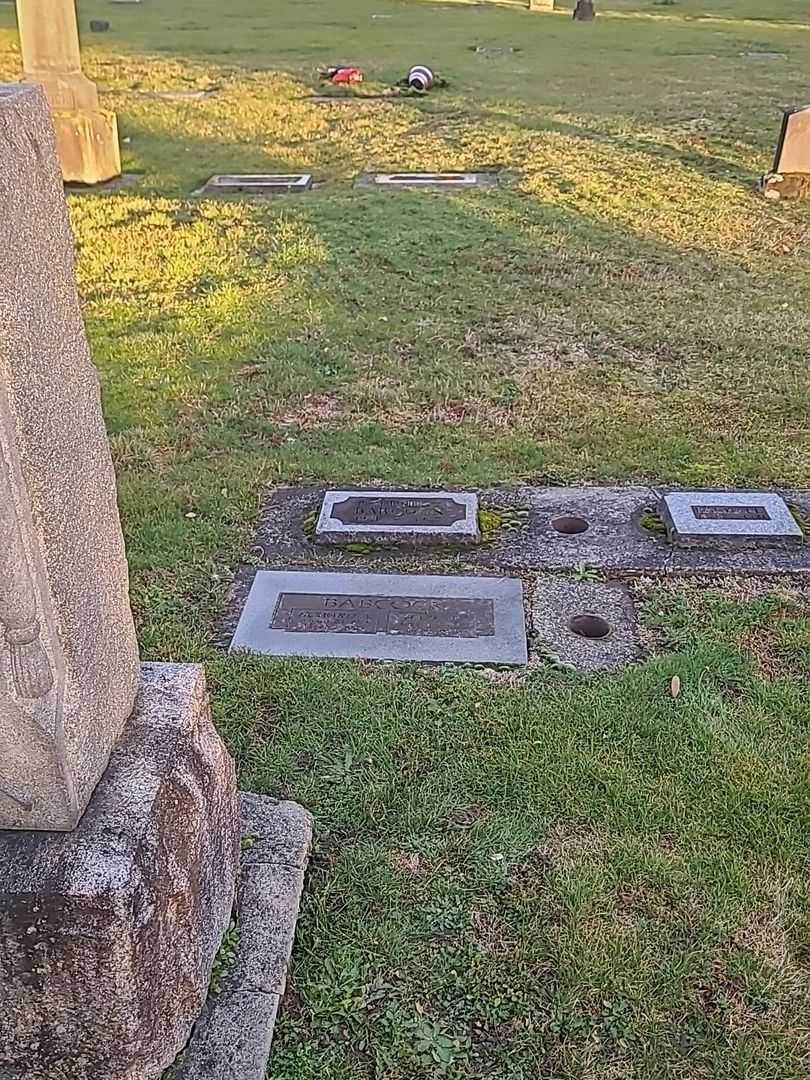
x: 255, y: 184
x: 404, y: 180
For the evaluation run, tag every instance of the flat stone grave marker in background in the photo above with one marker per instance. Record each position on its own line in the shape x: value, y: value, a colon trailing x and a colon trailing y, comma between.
x: 173, y: 95
x: 415, y: 517
x: 435, y: 180
x: 388, y: 98
x: 384, y: 617
x: 738, y: 517
x: 257, y: 184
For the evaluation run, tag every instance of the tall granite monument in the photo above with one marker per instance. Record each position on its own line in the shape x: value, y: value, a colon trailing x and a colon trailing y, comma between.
x: 119, y: 823
x: 86, y: 134
x: 68, y: 657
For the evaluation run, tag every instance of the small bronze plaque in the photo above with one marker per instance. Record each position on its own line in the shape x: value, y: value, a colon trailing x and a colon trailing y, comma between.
x: 398, y: 511
x: 731, y: 513
x: 415, y: 616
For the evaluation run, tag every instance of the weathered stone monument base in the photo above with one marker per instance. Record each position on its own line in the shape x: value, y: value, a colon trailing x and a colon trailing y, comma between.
x: 88, y: 146
x: 108, y: 933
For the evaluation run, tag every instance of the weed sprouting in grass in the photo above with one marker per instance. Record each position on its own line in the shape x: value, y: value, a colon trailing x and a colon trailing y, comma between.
x: 225, y: 959
x: 652, y: 522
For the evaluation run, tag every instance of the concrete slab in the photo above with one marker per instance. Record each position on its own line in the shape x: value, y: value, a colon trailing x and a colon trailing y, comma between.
x: 740, y: 518
x: 432, y: 181
x: 256, y: 184
x: 384, y: 617
x: 234, y: 1034
x: 612, y: 540
x: 411, y: 517
x: 590, y: 626
x: 615, y: 541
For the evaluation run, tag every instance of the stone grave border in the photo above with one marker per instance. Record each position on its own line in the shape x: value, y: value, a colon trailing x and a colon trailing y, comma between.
x: 234, y: 1033
x: 540, y: 535
x: 614, y: 541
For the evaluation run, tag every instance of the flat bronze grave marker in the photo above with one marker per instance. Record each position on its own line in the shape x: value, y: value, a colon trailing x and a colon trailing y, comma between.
x: 738, y: 517
x: 384, y: 617
x: 414, y: 517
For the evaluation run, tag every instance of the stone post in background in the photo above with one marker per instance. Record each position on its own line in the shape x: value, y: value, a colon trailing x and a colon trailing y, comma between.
x: 584, y: 11
x: 86, y: 135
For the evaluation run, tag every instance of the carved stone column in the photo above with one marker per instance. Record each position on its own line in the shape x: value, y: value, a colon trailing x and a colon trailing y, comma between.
x: 86, y: 135
x: 68, y: 656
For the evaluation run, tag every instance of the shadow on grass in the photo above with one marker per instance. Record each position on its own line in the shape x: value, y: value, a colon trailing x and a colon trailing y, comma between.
x: 355, y: 310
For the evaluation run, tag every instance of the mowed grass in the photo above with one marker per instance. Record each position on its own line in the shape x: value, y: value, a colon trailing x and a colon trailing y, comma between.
x: 532, y: 876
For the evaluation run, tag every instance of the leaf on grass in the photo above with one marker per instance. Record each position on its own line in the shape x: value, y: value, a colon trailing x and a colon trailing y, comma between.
x: 249, y: 371
x: 675, y: 686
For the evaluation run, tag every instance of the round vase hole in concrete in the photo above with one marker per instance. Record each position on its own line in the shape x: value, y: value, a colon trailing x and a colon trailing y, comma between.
x: 570, y: 525
x: 589, y: 626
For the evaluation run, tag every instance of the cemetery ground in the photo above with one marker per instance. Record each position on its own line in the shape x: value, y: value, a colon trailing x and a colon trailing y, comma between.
x: 517, y: 874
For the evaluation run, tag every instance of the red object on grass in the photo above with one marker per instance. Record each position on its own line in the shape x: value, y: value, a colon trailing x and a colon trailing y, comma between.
x: 346, y: 75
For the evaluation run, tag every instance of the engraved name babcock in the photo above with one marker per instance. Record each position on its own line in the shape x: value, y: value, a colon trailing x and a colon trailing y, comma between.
x: 376, y: 510
x: 415, y: 616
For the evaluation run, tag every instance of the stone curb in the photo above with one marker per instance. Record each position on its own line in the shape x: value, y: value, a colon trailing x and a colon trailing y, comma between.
x: 232, y: 1038
x: 614, y: 542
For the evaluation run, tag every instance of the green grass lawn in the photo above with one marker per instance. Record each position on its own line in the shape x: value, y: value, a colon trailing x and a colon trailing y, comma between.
x: 531, y: 876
